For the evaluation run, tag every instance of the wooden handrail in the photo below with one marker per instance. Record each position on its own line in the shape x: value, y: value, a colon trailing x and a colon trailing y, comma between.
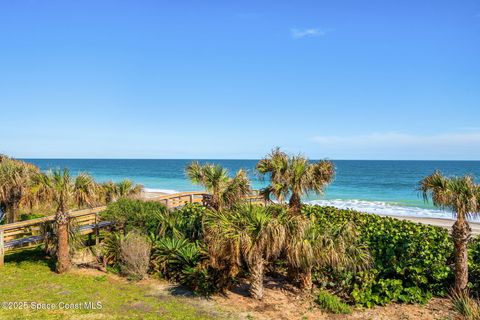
x: 26, y: 233
x: 72, y: 214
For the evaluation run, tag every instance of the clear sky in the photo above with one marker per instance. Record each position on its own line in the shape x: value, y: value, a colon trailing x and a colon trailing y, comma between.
x: 232, y: 79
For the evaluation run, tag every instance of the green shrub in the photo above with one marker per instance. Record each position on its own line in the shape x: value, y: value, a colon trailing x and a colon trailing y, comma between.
x: 111, y: 248
x: 331, y: 303
x: 412, y: 261
x: 474, y: 266
x: 30, y: 216
x: 129, y: 214
x: 185, y: 262
x: 184, y: 222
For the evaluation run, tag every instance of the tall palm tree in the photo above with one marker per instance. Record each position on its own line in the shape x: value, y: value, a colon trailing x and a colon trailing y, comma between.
x: 65, y: 191
x: 462, y: 196
x: 15, y: 183
x: 225, y: 191
x: 124, y: 189
x: 308, y: 246
x: 250, y: 234
x: 294, y: 176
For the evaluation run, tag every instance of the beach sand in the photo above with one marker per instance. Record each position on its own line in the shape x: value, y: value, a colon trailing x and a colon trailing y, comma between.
x: 444, y: 223
x: 148, y: 195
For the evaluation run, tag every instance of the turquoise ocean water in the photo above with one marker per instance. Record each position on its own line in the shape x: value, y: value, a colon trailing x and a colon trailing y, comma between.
x: 387, y: 187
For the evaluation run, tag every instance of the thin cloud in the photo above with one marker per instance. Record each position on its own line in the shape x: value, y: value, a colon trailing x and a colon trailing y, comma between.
x: 309, y: 33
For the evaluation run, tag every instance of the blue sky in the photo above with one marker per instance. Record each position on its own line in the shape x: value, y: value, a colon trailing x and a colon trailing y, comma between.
x: 231, y: 79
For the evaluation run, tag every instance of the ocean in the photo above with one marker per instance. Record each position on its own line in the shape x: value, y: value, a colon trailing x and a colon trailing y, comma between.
x: 383, y: 187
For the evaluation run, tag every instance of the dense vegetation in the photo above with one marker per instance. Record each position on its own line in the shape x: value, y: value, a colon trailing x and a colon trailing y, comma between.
x: 359, y: 258
x: 410, y: 262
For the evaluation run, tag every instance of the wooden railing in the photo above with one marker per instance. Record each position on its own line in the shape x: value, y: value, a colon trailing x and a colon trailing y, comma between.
x: 176, y: 200
x: 30, y: 233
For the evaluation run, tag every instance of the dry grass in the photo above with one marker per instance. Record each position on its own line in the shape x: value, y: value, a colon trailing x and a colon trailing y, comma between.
x: 134, y: 256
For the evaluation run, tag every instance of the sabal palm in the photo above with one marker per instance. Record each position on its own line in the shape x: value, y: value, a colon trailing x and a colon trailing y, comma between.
x: 309, y: 246
x: 15, y: 183
x: 250, y: 234
x: 225, y: 191
x: 294, y: 176
x: 462, y: 196
x: 124, y: 189
x: 65, y: 191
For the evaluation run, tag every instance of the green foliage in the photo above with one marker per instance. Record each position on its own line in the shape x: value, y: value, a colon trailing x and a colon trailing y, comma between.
x: 184, y: 222
x: 111, y: 248
x: 468, y: 307
x: 184, y: 261
x: 411, y: 261
x: 129, y: 214
x: 331, y: 303
x: 30, y: 216
x: 474, y: 265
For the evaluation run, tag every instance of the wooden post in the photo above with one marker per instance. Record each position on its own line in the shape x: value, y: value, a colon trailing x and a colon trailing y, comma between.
x: 191, y: 198
x: 97, y: 239
x: 2, y: 248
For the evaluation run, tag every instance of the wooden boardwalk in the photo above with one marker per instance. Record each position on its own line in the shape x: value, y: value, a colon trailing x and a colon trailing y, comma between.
x: 25, y: 234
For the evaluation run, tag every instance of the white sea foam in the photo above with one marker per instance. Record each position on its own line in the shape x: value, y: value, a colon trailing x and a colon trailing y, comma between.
x: 167, y: 191
x: 383, y: 208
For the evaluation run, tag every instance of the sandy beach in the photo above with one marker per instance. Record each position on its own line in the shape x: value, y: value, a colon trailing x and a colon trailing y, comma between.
x: 444, y: 223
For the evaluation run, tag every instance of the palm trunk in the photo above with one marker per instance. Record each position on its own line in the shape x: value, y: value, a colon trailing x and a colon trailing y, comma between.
x: 256, y: 282
x: 295, y: 203
x: 305, y: 278
x: 63, y: 251
x: 292, y: 274
x: 13, y: 205
x: 461, y: 234
x: 12, y: 212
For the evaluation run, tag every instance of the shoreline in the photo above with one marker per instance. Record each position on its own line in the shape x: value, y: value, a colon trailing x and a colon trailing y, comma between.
x: 438, y: 222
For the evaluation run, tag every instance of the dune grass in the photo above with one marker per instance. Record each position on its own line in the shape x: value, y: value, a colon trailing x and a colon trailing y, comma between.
x: 28, y: 277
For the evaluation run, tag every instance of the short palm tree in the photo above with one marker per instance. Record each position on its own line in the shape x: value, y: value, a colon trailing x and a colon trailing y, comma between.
x: 124, y: 189
x: 225, y: 191
x: 65, y: 191
x: 15, y: 183
x: 294, y: 176
x: 309, y: 246
x: 462, y: 196
x: 250, y: 234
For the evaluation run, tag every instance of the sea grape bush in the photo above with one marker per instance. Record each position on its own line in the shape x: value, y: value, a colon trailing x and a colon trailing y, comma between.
x: 412, y: 261
x: 135, y: 215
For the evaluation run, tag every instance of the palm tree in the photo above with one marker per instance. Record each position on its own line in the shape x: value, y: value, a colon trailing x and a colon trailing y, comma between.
x: 124, y: 189
x: 250, y: 234
x: 15, y: 182
x: 294, y: 176
x: 308, y: 246
x: 225, y: 191
x: 64, y: 191
x: 462, y: 196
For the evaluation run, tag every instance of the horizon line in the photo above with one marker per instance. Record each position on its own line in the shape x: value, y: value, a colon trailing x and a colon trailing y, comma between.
x: 248, y: 159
